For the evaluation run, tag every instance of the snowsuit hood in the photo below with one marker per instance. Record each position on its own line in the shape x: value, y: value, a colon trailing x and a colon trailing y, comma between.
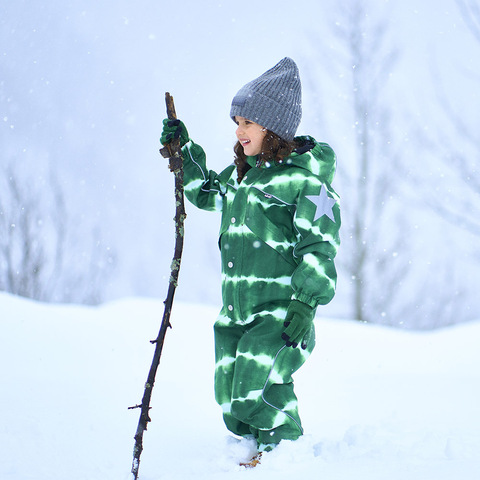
x: 316, y: 157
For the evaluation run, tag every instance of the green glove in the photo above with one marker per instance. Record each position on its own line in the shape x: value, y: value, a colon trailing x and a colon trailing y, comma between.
x: 173, y: 129
x: 298, y: 323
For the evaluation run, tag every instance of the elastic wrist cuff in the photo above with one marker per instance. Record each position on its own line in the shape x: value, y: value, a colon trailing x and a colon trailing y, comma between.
x: 304, y: 298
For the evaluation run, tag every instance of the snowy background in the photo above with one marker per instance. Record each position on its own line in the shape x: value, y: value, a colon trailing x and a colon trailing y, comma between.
x: 82, y: 99
x: 375, y: 402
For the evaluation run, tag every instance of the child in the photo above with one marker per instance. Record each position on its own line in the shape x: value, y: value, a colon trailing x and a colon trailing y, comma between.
x: 279, y: 235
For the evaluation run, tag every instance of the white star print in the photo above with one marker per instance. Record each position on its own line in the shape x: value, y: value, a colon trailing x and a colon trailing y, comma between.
x: 324, y: 204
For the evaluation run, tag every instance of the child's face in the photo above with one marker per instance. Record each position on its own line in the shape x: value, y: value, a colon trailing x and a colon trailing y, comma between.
x: 250, y: 135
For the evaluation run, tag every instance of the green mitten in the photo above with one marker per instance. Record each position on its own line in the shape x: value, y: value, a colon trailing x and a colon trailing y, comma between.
x: 173, y: 129
x: 297, y: 322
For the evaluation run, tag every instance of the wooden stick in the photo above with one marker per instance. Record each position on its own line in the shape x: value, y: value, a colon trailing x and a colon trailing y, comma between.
x: 174, y: 153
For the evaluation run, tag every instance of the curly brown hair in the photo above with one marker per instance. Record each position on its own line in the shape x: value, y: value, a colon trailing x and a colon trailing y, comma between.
x: 274, y: 149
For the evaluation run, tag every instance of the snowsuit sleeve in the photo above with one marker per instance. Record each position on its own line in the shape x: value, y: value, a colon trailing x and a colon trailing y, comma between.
x: 204, y: 188
x: 317, y: 222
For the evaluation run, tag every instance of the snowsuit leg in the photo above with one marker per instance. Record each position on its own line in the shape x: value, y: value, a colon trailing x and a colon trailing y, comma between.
x: 253, y: 378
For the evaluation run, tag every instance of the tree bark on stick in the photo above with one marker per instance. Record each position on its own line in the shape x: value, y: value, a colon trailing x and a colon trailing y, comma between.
x: 173, y: 152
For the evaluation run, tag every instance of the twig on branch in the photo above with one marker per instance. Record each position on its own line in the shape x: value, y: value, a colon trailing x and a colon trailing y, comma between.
x: 173, y: 152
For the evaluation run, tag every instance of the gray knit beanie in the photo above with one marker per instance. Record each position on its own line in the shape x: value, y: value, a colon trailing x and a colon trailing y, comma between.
x: 273, y: 100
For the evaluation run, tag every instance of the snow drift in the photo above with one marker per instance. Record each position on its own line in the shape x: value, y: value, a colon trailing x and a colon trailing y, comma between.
x: 376, y: 403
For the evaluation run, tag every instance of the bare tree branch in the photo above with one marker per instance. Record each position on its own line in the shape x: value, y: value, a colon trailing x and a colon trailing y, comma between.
x: 470, y: 11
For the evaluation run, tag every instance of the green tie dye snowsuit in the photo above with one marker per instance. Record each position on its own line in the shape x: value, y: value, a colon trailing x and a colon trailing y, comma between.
x: 278, y: 238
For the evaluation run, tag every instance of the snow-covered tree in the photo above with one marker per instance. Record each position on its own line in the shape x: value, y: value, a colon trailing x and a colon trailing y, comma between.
x: 39, y: 256
x: 460, y: 152
x: 374, y: 228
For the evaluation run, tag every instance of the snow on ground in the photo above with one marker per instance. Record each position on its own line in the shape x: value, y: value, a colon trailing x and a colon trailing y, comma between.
x: 376, y: 403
